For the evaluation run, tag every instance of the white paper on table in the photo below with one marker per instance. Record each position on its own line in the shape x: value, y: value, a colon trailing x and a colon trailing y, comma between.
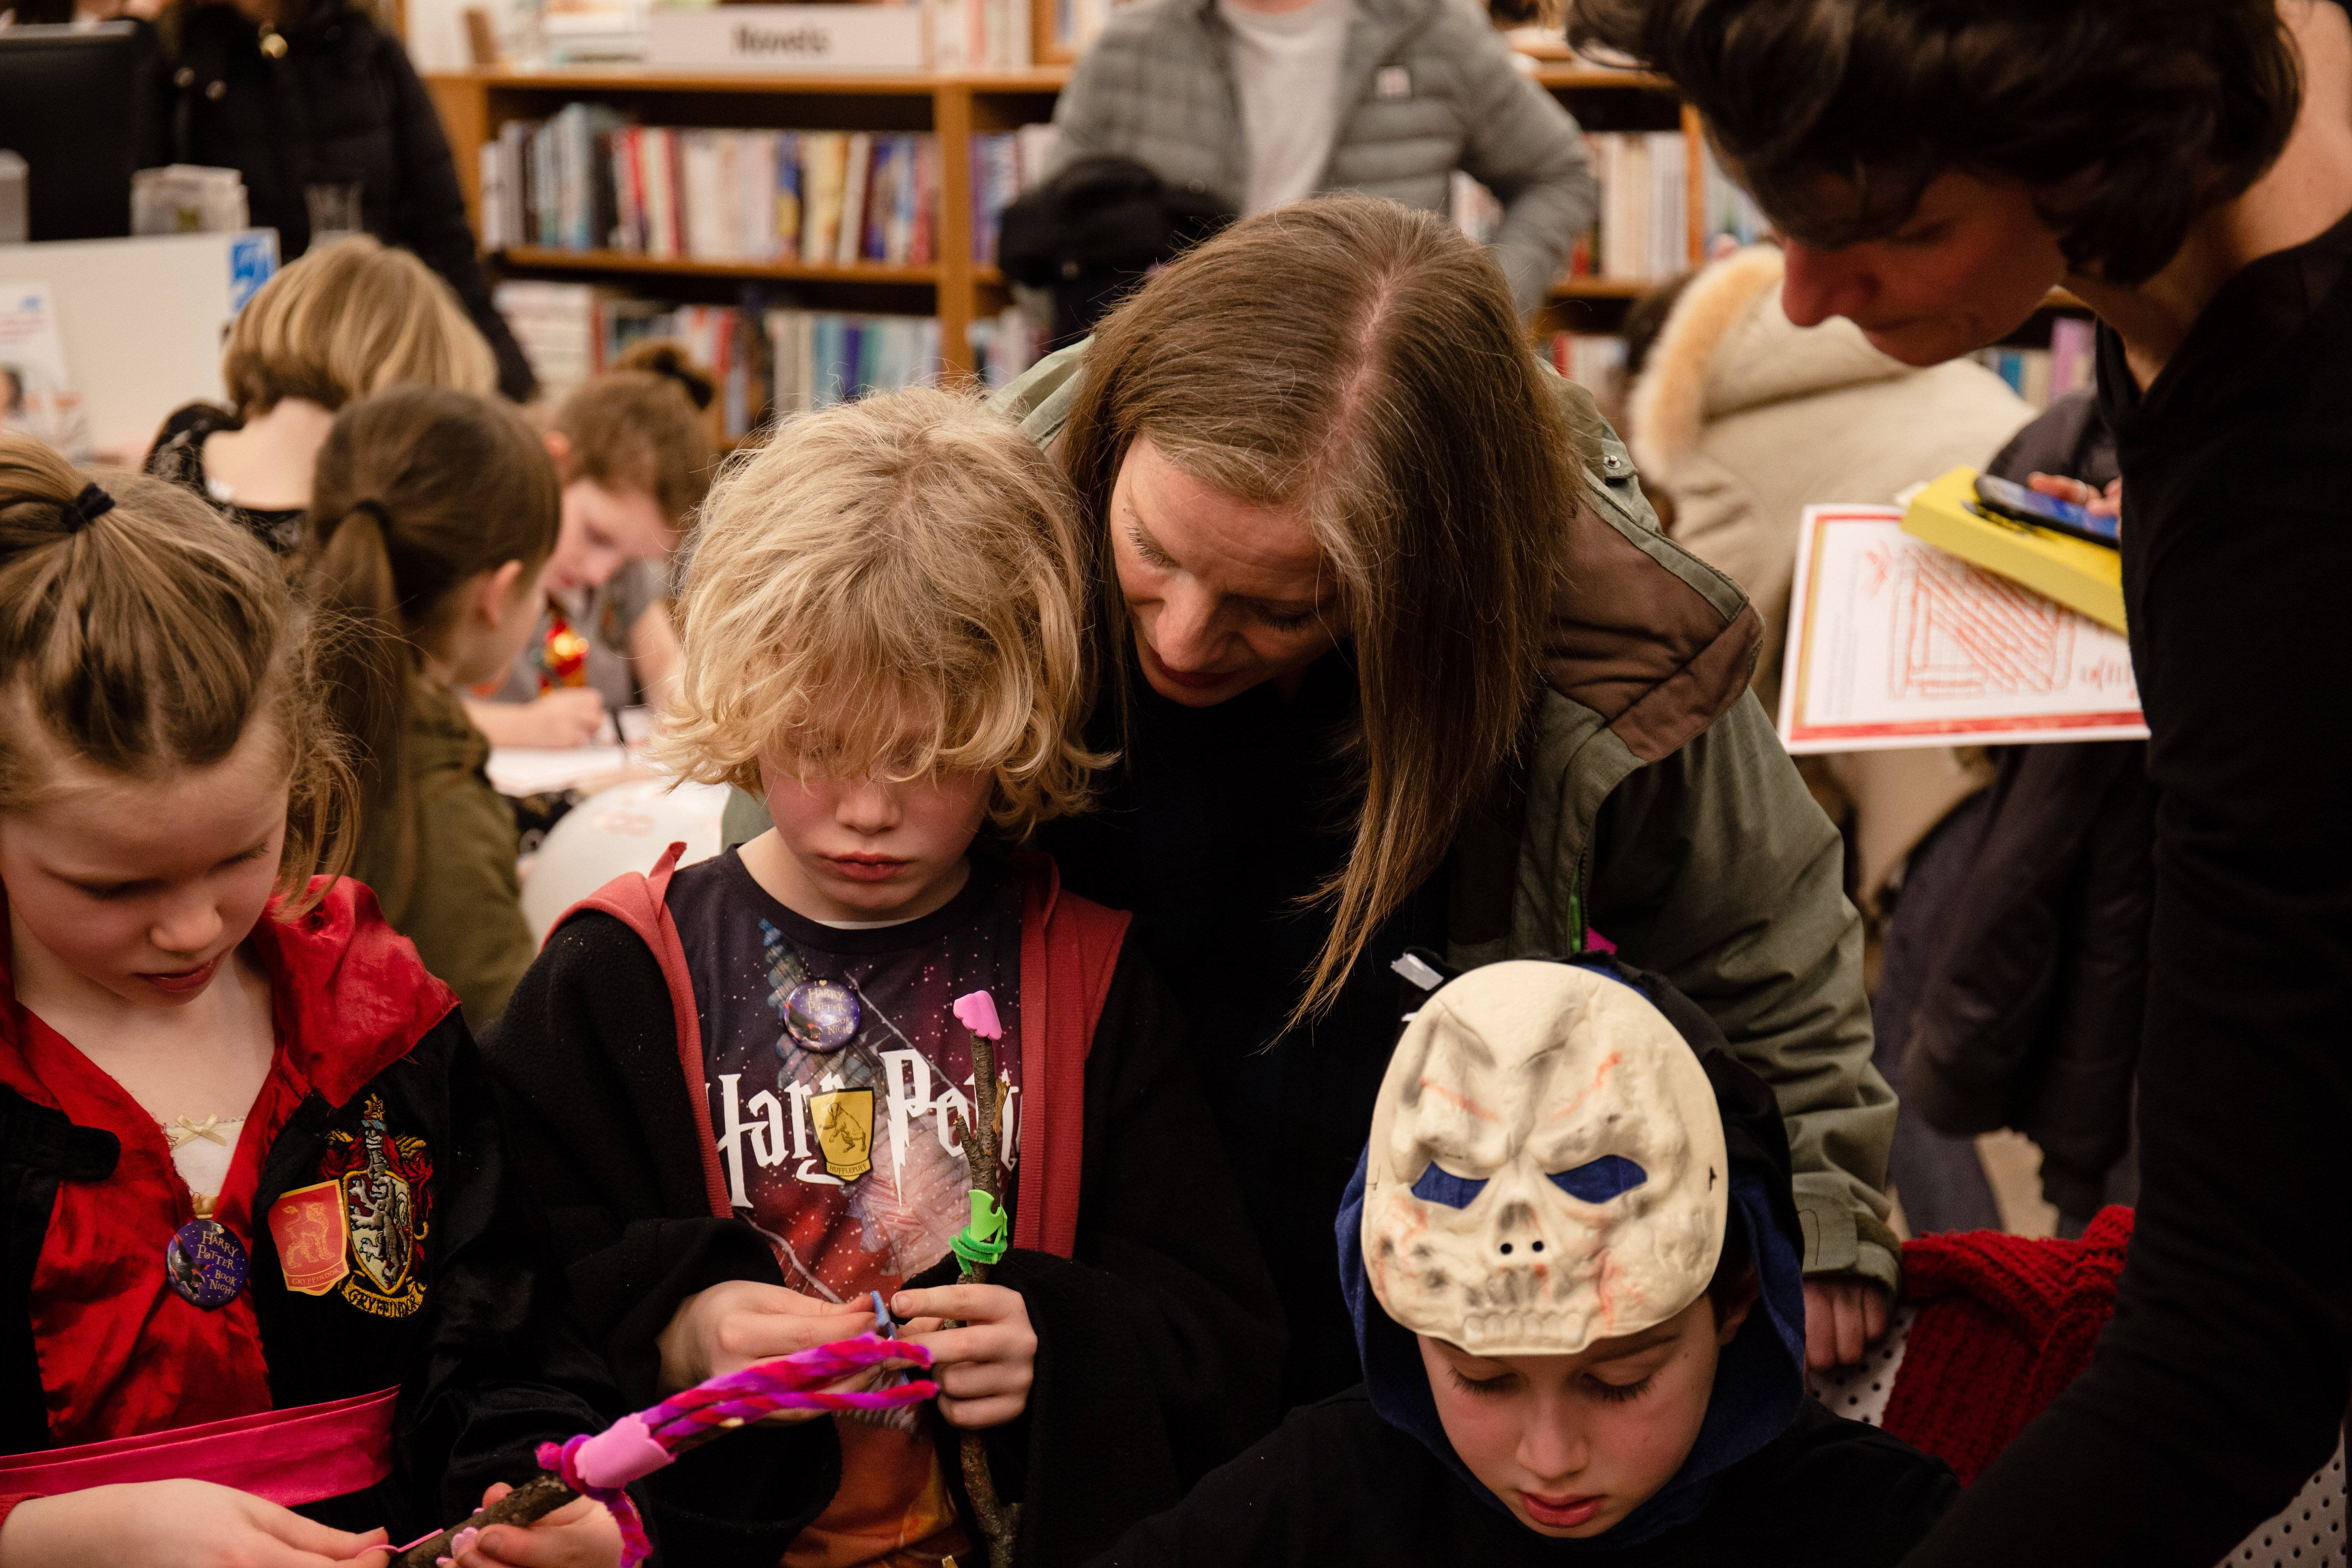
x: 533, y: 770
x: 1895, y: 643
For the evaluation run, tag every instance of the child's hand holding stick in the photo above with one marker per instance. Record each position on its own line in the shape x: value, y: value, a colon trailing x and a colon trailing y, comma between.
x: 636, y: 1446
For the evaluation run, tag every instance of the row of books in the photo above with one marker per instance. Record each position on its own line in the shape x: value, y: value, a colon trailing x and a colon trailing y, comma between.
x: 1004, y: 345
x: 585, y: 181
x: 1594, y: 361
x: 768, y: 360
x: 1004, y: 164
x: 825, y: 357
x: 570, y: 332
x: 1642, y: 230
x: 973, y: 34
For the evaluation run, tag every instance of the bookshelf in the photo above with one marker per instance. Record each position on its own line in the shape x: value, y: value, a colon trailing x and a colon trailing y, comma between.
x: 474, y: 105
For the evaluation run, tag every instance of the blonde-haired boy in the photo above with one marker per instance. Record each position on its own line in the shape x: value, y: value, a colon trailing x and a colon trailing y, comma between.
x: 732, y: 1083
x: 894, y: 588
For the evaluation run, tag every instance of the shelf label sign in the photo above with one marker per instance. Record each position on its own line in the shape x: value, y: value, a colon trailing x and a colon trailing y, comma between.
x: 787, y: 39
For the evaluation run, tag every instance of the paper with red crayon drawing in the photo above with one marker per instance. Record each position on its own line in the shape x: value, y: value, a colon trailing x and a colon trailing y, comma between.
x: 1895, y: 643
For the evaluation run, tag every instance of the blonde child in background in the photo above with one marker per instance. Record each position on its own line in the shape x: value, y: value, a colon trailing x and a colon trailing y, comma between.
x: 344, y: 319
x: 731, y: 1085
x: 256, y: 1175
x: 430, y: 526
x: 635, y: 454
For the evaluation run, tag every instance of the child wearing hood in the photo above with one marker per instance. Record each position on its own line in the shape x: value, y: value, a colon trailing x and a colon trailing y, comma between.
x: 1573, y: 1266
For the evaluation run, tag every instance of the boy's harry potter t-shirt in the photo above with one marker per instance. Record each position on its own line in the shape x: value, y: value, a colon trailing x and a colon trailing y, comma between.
x: 832, y: 1060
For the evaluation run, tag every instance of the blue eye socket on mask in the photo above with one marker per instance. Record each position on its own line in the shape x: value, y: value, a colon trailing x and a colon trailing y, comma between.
x: 1598, y: 1181
x: 1442, y: 1186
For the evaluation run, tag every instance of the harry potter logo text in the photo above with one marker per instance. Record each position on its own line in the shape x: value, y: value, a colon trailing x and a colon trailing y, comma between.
x: 819, y: 1132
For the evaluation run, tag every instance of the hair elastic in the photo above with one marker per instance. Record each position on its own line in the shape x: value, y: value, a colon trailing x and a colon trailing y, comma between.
x: 376, y: 509
x: 86, y: 508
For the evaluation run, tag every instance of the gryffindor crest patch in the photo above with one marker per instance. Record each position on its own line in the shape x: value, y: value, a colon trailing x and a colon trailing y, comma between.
x: 386, y: 1185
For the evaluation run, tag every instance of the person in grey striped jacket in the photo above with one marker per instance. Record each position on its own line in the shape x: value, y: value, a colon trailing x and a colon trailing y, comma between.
x: 1264, y: 101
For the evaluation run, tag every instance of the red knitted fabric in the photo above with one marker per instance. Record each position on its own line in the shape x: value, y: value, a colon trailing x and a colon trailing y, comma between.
x: 2004, y: 1322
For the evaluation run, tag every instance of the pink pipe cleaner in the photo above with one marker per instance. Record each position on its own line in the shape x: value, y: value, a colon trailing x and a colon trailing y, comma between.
x: 976, y: 1011
x: 635, y: 1446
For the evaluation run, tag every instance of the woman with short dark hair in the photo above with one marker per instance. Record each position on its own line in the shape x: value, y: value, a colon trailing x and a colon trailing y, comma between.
x: 1395, y: 657
x: 2185, y: 166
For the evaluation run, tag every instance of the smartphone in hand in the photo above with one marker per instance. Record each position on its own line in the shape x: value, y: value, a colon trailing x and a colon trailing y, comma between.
x: 2016, y: 502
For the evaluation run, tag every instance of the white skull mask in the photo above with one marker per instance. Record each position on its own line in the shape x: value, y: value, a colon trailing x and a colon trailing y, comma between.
x: 1517, y: 1088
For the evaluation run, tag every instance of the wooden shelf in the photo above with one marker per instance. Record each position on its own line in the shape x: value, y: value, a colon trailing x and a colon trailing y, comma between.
x: 954, y: 105
x: 1574, y: 77
x: 638, y: 79
x: 533, y: 255
x: 1603, y: 288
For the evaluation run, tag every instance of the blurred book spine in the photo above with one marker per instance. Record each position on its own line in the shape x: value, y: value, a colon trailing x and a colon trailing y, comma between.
x: 585, y: 181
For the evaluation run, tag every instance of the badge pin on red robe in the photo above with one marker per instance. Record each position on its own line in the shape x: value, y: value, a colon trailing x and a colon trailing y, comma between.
x: 313, y: 1235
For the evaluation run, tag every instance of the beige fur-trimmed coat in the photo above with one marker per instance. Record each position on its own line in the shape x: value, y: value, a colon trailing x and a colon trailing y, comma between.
x: 1745, y: 419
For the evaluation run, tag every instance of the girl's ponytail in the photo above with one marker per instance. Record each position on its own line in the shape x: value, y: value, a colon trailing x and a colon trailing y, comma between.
x: 140, y: 632
x: 417, y: 492
x: 363, y: 658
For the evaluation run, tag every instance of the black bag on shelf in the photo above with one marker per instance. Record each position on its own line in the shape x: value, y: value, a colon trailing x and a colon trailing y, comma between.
x: 1094, y: 231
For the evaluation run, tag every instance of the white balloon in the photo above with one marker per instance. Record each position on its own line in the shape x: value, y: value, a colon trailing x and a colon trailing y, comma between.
x: 624, y: 828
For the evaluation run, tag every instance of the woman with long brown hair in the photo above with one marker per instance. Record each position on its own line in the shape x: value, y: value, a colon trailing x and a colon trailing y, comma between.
x: 1396, y: 657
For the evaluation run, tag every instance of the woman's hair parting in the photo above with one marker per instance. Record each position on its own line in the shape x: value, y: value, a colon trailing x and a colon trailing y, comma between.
x: 1364, y: 361
x: 345, y: 319
x: 639, y: 427
x: 2129, y: 118
x: 890, y: 587
x: 142, y: 632
x: 418, y: 491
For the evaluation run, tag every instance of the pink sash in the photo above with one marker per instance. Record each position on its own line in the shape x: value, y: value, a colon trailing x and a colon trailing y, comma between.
x: 285, y: 1456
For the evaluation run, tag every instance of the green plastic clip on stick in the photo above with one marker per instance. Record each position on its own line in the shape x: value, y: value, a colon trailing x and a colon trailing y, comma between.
x: 982, y: 1244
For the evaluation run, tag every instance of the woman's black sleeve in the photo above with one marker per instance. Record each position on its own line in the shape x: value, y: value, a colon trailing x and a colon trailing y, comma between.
x: 1160, y: 1345
x: 429, y: 217
x: 503, y: 1367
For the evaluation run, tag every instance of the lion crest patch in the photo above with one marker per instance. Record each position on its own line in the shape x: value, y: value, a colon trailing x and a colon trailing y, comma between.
x: 386, y: 1185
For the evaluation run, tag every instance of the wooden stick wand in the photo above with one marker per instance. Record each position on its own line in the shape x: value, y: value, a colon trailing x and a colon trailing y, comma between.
x: 980, y: 1244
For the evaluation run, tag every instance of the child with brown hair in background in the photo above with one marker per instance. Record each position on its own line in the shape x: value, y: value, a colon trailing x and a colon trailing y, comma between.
x: 429, y: 531
x: 634, y: 451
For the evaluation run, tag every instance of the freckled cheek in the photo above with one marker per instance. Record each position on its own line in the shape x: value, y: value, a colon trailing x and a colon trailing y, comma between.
x: 98, y: 940
x: 242, y: 903
x: 1485, y: 1431
x: 945, y: 815
x: 799, y: 807
x: 1650, y: 1437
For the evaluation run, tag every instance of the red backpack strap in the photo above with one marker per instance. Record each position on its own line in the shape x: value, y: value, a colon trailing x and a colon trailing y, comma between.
x: 1069, y: 949
x: 642, y: 903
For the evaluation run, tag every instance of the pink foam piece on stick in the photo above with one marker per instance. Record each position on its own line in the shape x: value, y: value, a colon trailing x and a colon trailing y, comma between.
x: 623, y: 1452
x: 977, y: 1012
